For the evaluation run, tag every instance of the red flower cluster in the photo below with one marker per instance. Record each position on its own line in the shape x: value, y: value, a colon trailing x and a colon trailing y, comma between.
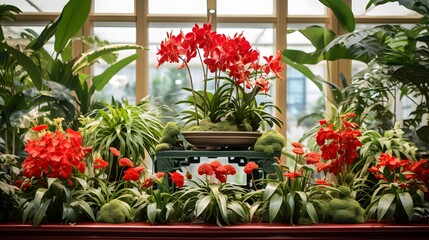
x: 339, y: 146
x: 150, y: 181
x: 391, y: 169
x: 54, y: 154
x: 100, y: 163
x: 177, y: 179
x: 216, y: 168
x: 221, y: 53
x: 250, y: 166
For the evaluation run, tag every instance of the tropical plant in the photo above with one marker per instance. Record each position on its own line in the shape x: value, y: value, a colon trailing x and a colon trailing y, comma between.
x: 290, y: 194
x: 400, y: 53
x: 133, y: 130
x: 51, y: 176
x: 161, y: 205
x: 237, y: 76
x: 9, y: 201
x: 398, y: 194
x: 212, y: 199
x: 33, y: 79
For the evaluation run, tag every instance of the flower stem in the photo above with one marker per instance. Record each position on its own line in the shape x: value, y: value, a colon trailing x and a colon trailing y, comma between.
x: 193, y: 92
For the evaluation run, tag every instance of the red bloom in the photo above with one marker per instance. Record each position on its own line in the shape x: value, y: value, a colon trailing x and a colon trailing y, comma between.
x: 100, y: 163
x: 39, y: 128
x: 22, y: 184
x: 322, y: 182
x: 312, y: 157
x: 126, y: 162
x: 293, y: 175
x: 215, y: 164
x: 230, y: 170
x: 177, y: 179
x: 81, y: 167
x: 54, y: 155
x: 160, y: 175
x: 115, y: 151
x: 147, y: 183
x: 298, y: 151
x: 274, y: 64
x: 297, y: 145
x: 220, y: 170
x: 263, y: 84
x: 221, y: 177
x: 323, y: 121
x: 250, y: 166
x: 205, y: 168
x: 373, y: 169
x: 188, y: 175
x: 133, y: 174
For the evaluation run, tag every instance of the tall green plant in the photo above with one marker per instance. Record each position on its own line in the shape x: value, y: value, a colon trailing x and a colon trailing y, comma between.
x: 133, y: 130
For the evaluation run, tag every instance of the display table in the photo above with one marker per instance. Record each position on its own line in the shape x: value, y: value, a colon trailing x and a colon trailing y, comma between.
x: 172, y: 160
x: 128, y: 231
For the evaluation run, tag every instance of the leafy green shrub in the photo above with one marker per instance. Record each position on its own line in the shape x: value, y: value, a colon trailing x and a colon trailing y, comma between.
x: 133, y: 130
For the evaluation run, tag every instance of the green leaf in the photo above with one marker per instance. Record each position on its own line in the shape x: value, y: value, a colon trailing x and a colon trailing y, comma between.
x: 73, y: 16
x: 82, y: 182
x: 311, y: 210
x: 50, y: 181
x: 44, y: 37
x: 276, y: 202
x: 91, y: 57
x: 39, y: 196
x: 101, y: 80
x: 41, y: 212
x: 202, y: 205
x: 407, y: 203
x: 343, y: 13
x: 26, y: 62
x: 223, y: 207
x: 151, y: 212
x: 269, y: 190
x: 384, y: 204
x: 238, y: 208
x: 85, y: 206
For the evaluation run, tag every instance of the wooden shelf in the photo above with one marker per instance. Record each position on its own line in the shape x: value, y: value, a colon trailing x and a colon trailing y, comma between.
x: 128, y: 231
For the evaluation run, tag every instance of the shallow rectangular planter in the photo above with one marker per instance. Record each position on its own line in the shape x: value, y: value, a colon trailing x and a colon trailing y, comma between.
x: 9, y: 231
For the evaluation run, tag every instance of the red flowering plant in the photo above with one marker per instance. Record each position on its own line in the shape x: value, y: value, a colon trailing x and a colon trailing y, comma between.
x: 54, y: 169
x: 113, y: 200
x: 338, y: 139
x: 238, y: 77
x: 212, y: 199
x: 399, y: 193
x: 291, y: 193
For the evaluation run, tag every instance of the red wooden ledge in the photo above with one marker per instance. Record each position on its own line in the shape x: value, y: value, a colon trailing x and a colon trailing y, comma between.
x: 200, y: 231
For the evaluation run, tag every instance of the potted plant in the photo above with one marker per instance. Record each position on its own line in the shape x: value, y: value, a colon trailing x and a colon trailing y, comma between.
x: 233, y: 67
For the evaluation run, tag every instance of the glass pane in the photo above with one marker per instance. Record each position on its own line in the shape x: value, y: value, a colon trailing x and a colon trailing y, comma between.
x: 388, y: 9
x: 37, y: 5
x: 245, y: 7
x: 303, y: 96
x: 306, y: 7
x: 14, y: 31
x: 123, y: 84
x: 177, y: 7
x: 113, y: 6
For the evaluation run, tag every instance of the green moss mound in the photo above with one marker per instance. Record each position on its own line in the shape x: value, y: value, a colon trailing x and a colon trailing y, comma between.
x: 344, y: 209
x: 113, y: 212
x: 269, y: 142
